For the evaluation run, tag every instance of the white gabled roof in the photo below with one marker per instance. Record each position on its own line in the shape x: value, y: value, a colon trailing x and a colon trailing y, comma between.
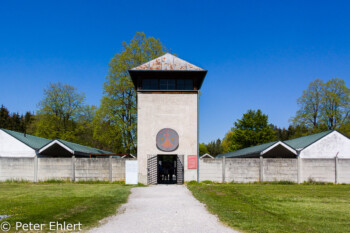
x: 131, y: 155
x: 168, y: 62
x: 75, y: 148
x: 279, y: 143
x: 206, y: 155
x: 256, y: 151
x: 56, y: 142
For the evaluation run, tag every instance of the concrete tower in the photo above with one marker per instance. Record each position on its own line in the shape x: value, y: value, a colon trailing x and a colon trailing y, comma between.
x: 167, y: 119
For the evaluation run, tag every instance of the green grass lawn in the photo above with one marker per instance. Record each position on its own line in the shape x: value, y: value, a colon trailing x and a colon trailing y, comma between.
x: 69, y: 202
x: 277, y: 207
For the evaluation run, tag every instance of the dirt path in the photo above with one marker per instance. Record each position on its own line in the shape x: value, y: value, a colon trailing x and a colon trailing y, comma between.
x: 162, y: 208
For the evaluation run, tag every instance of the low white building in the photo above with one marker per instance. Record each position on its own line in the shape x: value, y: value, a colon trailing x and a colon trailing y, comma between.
x: 15, y: 144
x: 20, y: 145
x: 328, y: 144
x: 324, y: 145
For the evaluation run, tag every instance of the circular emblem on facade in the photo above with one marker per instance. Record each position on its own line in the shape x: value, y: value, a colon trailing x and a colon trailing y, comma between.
x: 167, y: 140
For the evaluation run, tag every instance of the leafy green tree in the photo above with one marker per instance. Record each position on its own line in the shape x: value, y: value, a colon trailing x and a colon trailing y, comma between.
x: 345, y: 128
x: 59, y: 111
x: 310, y: 105
x: 84, y: 130
x: 107, y: 134
x: 27, y: 121
x: 227, y: 142
x: 202, y: 149
x: 118, y: 106
x: 335, y: 103
x: 324, y: 106
x: 214, y: 147
x: 291, y: 132
x: 4, y: 117
x: 15, y: 121
x: 252, y: 129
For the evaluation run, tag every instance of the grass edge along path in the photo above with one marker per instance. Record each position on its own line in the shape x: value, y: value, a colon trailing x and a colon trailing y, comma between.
x: 277, y: 207
x: 84, y: 202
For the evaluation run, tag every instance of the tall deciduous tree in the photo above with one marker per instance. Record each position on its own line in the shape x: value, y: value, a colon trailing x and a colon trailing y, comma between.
x: 324, y: 106
x: 310, y: 105
x: 118, y: 106
x: 107, y: 133
x: 335, y: 103
x: 59, y: 111
x: 227, y: 142
x: 84, y: 129
x: 252, y: 129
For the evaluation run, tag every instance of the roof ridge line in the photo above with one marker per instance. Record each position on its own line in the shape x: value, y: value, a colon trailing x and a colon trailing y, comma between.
x: 24, y: 135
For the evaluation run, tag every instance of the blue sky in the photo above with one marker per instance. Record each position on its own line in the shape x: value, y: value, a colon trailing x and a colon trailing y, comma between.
x: 259, y: 54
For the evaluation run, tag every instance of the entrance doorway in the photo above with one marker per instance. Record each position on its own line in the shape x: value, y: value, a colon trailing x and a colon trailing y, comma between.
x: 167, y: 167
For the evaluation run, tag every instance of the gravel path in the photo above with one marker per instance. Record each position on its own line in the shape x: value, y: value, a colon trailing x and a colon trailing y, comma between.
x: 162, y: 208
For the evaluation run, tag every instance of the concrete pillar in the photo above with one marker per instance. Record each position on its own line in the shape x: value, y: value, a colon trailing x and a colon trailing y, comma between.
x: 110, y: 169
x: 223, y: 169
x: 261, y: 170
x: 35, y: 169
x: 336, y: 169
x: 73, y: 168
x: 299, y: 169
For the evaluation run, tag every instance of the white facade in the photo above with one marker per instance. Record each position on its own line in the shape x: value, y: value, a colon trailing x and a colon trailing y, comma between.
x: 331, y: 145
x: 12, y: 147
x: 166, y: 110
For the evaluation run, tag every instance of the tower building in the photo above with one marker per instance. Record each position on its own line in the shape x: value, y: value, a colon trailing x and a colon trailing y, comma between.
x: 167, y: 119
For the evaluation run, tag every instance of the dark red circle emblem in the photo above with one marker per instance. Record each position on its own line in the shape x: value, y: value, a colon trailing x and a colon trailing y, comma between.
x: 167, y: 140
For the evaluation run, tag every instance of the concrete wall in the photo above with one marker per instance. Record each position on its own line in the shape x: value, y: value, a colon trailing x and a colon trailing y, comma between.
x: 118, y: 169
x: 245, y: 170
x: 16, y: 169
x: 280, y: 170
x: 54, y: 168
x: 75, y: 169
x: 242, y: 170
x: 11, y: 147
x: 320, y: 170
x: 344, y: 171
x: 210, y: 169
x: 158, y: 111
x: 92, y: 169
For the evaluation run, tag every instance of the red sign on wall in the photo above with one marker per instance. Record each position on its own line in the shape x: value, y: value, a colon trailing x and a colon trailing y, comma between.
x: 192, y: 161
